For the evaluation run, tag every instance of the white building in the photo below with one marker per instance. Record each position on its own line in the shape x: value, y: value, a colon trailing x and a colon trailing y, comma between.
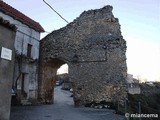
x: 27, y: 51
x: 133, y: 85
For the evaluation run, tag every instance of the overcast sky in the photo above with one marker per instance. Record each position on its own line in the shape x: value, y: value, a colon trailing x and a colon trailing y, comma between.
x: 139, y: 19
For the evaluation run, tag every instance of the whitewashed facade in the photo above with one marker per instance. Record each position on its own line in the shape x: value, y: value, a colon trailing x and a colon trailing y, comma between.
x: 25, y: 81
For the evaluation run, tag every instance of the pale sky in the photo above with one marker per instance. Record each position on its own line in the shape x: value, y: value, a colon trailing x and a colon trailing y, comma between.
x: 139, y: 19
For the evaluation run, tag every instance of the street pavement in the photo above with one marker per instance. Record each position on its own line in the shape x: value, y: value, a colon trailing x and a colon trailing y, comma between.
x: 62, y: 109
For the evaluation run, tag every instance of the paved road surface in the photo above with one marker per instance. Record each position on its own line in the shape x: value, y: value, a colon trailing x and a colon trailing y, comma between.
x: 62, y: 109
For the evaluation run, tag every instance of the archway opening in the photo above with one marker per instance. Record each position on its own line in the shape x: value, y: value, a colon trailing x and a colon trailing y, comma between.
x: 63, y: 87
x: 54, y: 77
x: 62, y: 75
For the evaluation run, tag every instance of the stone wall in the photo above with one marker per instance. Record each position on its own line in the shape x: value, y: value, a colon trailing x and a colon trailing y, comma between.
x: 7, y: 39
x: 94, y: 49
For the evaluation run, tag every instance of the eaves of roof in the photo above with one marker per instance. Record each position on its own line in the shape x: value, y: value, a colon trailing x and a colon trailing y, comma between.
x: 7, y: 9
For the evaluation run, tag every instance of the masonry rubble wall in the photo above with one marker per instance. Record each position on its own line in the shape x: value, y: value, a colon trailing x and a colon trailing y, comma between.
x: 95, y: 51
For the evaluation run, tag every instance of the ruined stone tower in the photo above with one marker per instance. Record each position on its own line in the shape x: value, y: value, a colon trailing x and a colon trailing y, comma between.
x: 94, y: 49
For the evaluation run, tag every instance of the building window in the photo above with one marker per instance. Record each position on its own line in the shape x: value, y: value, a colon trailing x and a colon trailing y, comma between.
x: 29, y: 50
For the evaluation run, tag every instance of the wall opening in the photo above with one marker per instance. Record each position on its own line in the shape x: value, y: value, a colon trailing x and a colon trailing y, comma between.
x: 63, y: 69
x: 63, y: 92
x: 53, y: 78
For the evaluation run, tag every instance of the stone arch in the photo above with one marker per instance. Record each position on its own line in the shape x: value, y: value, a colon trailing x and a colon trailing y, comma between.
x: 48, y: 74
x: 94, y: 49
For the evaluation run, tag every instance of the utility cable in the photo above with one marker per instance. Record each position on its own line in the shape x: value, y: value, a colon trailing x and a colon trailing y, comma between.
x: 55, y: 11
